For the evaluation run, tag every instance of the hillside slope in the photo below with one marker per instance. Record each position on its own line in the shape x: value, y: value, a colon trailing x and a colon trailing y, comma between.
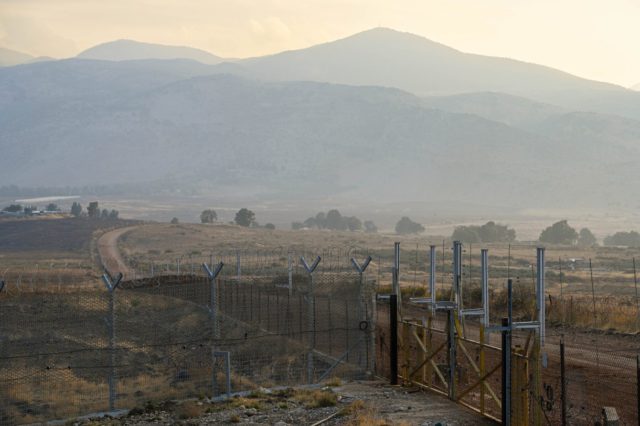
x: 388, y: 58
x: 126, y: 50
x: 83, y: 122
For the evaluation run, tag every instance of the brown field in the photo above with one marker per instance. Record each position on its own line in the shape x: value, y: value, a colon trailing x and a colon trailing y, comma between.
x: 50, y: 251
x: 68, y: 257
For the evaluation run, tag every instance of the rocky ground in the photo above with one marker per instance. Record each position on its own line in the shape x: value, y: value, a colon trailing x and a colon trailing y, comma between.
x: 354, y: 403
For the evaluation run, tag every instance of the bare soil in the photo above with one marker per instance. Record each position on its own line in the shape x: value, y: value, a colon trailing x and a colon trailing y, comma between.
x: 354, y: 403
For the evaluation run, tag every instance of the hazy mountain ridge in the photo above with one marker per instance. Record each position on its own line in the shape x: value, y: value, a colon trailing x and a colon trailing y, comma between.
x: 127, y: 50
x: 508, y: 109
x: 189, y: 124
x: 223, y: 132
x: 388, y: 58
x: 10, y: 57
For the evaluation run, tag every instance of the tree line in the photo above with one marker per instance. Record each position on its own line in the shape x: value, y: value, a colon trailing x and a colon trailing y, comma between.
x: 334, y: 220
x: 560, y: 233
x: 93, y: 210
x: 244, y: 217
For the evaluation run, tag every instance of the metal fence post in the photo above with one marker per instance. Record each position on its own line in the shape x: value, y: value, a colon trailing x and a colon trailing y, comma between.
x: 638, y: 386
x: 311, y: 304
x: 484, y: 254
x: 213, y: 309
x: 432, y: 278
x: 506, y: 358
x: 540, y: 292
x: 393, y: 338
x: 451, y: 353
x: 111, y: 285
x: 563, y: 384
x: 396, y: 274
x: 362, y: 314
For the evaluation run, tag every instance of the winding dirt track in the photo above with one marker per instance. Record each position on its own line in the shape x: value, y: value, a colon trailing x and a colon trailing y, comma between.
x: 109, y: 253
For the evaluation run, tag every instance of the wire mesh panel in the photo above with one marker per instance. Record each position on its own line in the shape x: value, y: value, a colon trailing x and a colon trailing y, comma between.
x: 164, y: 335
x: 53, y: 358
x: 593, y: 380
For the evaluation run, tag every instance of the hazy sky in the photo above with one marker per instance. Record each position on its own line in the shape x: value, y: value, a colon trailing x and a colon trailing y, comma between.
x: 597, y: 39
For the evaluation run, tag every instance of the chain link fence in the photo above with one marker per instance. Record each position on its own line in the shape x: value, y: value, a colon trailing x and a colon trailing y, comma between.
x: 260, y: 323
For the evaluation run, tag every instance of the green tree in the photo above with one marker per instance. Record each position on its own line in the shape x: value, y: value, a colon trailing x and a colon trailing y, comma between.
x: 321, y: 220
x: 490, y: 232
x: 629, y: 239
x: 407, y: 226
x: 13, y: 208
x: 174, y: 221
x: 245, y: 217
x: 586, y: 238
x: 310, y: 222
x: 354, y: 224
x: 93, y: 210
x: 105, y: 214
x: 467, y: 234
x: 297, y: 226
x: 52, y: 207
x: 113, y: 214
x: 76, y: 209
x: 335, y: 221
x: 270, y: 226
x: 208, y: 216
x: 559, y: 233
x: 370, y: 227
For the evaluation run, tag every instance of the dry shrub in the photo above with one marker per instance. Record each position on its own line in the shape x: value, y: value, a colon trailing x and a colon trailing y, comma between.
x: 316, y: 398
x: 334, y: 382
x: 247, y: 403
x: 189, y: 410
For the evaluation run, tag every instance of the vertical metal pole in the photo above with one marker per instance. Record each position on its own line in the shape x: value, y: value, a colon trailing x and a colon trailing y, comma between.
x: 432, y: 278
x: 540, y: 290
x: 506, y: 357
x: 393, y: 338
x: 638, y: 386
x: 112, y: 350
x: 214, y: 308
x: 457, y: 273
x: 451, y: 343
x: 312, y: 328
x: 361, y: 316
x: 396, y: 274
x: 635, y: 283
x: 506, y: 374
x: 562, y: 318
x: 482, y: 370
x: 372, y: 327
x: 178, y: 266
x: 484, y: 259
x: 563, y: 384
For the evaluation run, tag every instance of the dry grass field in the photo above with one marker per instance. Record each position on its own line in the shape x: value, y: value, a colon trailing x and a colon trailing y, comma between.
x: 570, y: 287
x: 50, y: 251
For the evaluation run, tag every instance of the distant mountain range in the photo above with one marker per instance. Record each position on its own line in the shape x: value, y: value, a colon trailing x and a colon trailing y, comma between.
x: 9, y: 58
x: 127, y: 50
x: 380, y: 115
